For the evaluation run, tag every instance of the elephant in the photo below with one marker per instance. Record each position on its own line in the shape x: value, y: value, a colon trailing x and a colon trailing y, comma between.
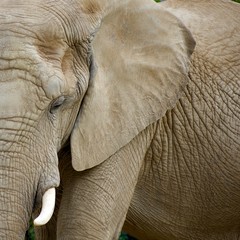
x: 120, y: 115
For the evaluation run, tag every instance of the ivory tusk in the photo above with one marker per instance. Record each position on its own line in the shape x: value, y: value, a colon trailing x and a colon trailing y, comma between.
x: 48, y: 204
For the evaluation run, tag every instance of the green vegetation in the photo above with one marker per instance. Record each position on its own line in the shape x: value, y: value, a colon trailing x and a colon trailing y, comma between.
x: 124, y: 236
x: 30, y: 233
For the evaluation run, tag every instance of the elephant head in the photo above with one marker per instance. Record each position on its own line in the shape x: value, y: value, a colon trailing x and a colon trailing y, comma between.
x: 94, y: 72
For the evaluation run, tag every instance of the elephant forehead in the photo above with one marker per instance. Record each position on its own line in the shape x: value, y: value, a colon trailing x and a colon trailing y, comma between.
x: 61, y: 19
x: 35, y: 38
x: 38, y: 20
x: 21, y: 62
x: 40, y: 64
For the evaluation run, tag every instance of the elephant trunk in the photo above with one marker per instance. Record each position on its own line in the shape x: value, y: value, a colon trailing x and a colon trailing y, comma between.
x: 22, y: 189
x: 15, y: 194
x: 28, y: 168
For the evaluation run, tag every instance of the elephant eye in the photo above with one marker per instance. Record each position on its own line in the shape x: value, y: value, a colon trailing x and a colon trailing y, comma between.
x: 57, y: 104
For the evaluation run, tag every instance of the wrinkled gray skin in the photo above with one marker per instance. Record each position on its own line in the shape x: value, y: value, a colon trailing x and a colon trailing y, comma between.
x: 146, y: 139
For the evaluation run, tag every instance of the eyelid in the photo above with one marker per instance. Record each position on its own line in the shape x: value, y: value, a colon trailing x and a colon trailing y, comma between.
x: 57, y: 103
x: 59, y: 100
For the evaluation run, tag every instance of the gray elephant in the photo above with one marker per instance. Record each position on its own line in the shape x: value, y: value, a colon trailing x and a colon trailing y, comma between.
x: 111, y: 103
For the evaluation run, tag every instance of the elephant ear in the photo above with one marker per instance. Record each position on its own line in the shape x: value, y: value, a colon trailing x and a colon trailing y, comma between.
x: 141, y: 56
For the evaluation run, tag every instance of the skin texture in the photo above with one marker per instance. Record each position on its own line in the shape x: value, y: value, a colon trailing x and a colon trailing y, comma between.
x: 188, y: 184
x: 56, y: 57
x: 35, y: 59
x: 191, y: 172
x: 89, y: 99
x: 180, y: 175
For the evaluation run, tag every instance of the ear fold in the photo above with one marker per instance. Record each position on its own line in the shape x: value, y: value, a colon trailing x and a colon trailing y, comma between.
x: 141, y: 55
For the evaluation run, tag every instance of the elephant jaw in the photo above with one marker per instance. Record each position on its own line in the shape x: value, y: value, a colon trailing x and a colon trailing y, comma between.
x: 48, y: 205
